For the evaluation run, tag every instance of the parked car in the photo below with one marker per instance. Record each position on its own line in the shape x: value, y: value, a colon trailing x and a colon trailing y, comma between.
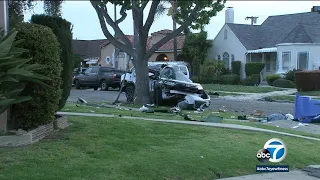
x: 98, y: 76
x: 168, y: 84
x: 76, y: 71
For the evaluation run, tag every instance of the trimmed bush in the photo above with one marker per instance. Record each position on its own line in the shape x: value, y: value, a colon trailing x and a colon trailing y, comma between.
x: 291, y: 75
x: 253, y: 68
x: 235, y: 67
x: 308, y: 80
x: 62, y: 29
x: 253, y: 80
x: 271, y: 78
x: 44, y: 49
x: 283, y: 83
x: 232, y: 79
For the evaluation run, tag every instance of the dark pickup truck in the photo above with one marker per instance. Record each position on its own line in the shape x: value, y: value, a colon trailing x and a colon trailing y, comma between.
x: 98, y: 76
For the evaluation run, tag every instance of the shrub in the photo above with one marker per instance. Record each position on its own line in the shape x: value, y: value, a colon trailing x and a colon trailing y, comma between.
x: 283, y: 83
x: 290, y: 75
x: 232, y: 79
x: 62, y: 29
x: 253, y: 68
x: 252, y: 80
x: 308, y: 80
x: 211, y: 68
x: 235, y: 67
x: 271, y: 78
x: 43, y: 49
x: 11, y: 84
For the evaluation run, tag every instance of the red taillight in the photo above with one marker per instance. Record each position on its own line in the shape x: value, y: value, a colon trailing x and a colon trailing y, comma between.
x: 114, y: 76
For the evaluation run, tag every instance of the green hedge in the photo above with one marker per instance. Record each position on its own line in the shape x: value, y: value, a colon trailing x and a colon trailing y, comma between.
x: 62, y: 29
x: 235, y: 67
x: 253, y: 80
x: 232, y: 79
x: 271, y: 78
x: 291, y: 75
x: 308, y: 80
x: 283, y: 83
x: 253, y: 68
x: 44, y: 49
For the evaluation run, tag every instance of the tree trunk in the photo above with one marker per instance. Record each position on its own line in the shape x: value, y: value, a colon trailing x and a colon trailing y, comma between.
x: 142, y: 93
x: 175, y: 53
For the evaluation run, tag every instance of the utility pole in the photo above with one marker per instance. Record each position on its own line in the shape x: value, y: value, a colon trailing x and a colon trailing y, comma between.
x: 116, y: 52
x: 174, y: 9
x: 253, y: 19
x: 4, y: 23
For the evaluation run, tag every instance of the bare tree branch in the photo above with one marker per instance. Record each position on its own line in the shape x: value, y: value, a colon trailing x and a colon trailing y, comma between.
x: 144, y: 4
x: 183, y: 26
x: 151, y: 15
x: 123, y: 15
x: 114, y: 41
x: 114, y: 26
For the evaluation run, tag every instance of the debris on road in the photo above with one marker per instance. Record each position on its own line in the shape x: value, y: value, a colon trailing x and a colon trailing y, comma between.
x: 300, y: 124
x: 92, y: 111
x: 258, y: 113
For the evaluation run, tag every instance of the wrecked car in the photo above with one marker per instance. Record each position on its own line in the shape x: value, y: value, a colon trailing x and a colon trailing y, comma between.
x: 169, y: 85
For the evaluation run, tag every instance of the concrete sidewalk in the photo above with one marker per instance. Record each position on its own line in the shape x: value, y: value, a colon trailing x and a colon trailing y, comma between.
x: 221, y: 125
x: 291, y: 175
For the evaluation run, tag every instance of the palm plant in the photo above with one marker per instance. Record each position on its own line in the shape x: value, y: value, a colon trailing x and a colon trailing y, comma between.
x: 15, y: 72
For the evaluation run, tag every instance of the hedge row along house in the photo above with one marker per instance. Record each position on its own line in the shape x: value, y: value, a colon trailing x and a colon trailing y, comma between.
x: 103, y: 52
x: 282, y: 42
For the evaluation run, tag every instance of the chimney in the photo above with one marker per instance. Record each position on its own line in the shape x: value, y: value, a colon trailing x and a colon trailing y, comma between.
x: 229, y: 15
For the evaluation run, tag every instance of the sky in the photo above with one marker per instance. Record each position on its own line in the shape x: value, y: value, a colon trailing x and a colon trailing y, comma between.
x: 86, y: 25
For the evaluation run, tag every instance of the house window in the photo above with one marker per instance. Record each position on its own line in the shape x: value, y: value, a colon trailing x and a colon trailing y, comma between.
x: 226, y: 60
x: 225, y: 34
x: 303, y: 60
x: 219, y: 57
x: 232, y: 58
x: 286, y: 60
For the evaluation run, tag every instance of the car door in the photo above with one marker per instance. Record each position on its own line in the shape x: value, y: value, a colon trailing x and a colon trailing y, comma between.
x: 84, y: 78
x: 93, y: 76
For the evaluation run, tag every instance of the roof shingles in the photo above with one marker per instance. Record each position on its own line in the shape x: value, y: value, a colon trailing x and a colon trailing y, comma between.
x: 289, y: 28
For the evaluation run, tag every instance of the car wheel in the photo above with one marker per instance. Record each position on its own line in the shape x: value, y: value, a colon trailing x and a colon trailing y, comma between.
x: 78, y: 85
x: 158, y: 97
x: 104, y: 86
x: 130, y: 93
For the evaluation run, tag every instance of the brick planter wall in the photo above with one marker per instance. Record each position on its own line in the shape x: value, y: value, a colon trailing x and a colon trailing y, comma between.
x: 34, y: 135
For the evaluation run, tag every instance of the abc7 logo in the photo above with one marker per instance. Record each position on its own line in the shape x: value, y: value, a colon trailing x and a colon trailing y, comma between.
x: 274, y: 151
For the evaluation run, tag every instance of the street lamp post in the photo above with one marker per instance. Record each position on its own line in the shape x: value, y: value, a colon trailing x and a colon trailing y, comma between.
x: 4, y: 18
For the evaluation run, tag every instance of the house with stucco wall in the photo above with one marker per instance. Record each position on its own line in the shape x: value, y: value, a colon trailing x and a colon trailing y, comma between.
x: 282, y: 42
x: 113, y: 57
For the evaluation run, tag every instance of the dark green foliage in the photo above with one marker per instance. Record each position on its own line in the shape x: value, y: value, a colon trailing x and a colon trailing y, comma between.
x: 283, y: 83
x: 212, y: 68
x: 76, y: 60
x: 291, y: 75
x: 15, y: 72
x: 308, y: 80
x: 253, y: 80
x: 43, y: 49
x: 253, y: 68
x: 62, y: 29
x: 235, y: 67
x: 271, y: 78
x: 196, y: 48
x: 232, y: 79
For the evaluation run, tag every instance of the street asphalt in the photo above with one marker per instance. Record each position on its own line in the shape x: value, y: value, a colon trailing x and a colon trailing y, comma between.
x: 244, y: 107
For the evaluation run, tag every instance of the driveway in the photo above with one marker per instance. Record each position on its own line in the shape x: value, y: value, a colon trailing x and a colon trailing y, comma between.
x: 242, y: 106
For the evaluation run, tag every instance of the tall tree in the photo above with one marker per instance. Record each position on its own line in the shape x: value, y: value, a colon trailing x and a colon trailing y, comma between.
x: 188, y: 13
x: 52, y: 7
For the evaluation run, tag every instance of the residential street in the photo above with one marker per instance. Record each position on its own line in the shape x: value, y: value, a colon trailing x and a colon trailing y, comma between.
x: 246, y: 107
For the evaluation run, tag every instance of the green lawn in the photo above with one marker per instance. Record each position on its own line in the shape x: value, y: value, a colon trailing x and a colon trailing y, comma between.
x: 168, y: 116
x: 310, y: 93
x: 239, y: 88
x: 110, y: 148
x: 283, y: 98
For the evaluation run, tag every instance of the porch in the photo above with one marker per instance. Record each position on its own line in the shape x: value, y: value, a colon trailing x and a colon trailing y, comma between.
x: 268, y: 56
